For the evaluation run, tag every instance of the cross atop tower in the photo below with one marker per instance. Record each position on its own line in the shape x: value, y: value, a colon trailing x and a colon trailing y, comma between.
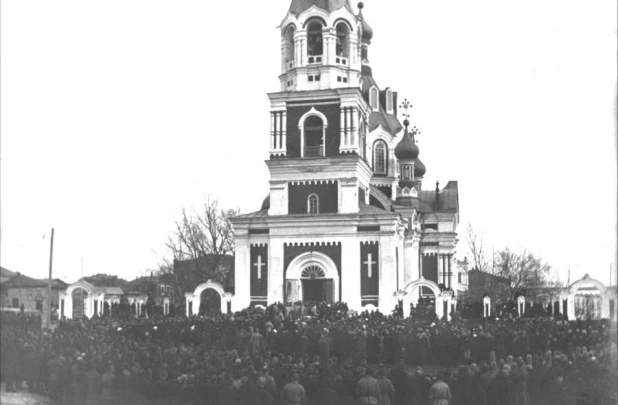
x: 405, y: 105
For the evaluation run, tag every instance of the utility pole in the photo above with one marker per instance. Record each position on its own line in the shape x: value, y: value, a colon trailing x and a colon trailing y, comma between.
x: 48, y: 312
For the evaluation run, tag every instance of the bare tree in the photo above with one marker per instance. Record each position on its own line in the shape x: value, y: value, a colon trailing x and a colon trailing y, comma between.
x: 476, y: 247
x: 525, y: 271
x: 200, y: 235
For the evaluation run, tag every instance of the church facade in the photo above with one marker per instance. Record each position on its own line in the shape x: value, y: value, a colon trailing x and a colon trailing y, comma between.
x: 348, y: 217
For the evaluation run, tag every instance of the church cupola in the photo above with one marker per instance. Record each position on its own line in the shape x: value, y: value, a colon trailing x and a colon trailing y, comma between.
x: 320, y: 46
x: 411, y: 169
x: 366, y: 36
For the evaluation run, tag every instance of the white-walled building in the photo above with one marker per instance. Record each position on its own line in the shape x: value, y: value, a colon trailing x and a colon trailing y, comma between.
x: 347, y: 218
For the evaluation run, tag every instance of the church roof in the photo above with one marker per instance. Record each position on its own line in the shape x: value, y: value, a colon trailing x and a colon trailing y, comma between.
x: 448, y: 199
x: 299, y: 6
x: 380, y: 117
x: 253, y: 215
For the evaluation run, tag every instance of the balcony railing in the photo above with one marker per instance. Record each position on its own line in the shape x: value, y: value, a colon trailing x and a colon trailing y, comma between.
x: 340, y: 60
x: 314, y: 151
x: 314, y: 60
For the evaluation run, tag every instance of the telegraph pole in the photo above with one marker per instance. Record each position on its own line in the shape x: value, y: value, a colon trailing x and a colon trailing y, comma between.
x: 48, y: 312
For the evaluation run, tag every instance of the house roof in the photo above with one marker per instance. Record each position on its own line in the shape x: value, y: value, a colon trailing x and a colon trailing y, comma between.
x: 380, y: 117
x: 21, y: 281
x: 6, y: 272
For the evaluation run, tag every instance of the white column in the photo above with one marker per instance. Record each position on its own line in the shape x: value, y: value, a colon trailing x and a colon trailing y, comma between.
x: 388, y: 275
x: 187, y: 307
x: 406, y: 307
x: 571, y: 307
x: 439, y: 307
x: 273, y: 135
x: 242, y: 274
x: 284, y: 131
x: 486, y: 307
x: 350, y: 275
x: 342, y: 133
x: 275, y: 271
x: 197, y: 303
x: 354, y: 129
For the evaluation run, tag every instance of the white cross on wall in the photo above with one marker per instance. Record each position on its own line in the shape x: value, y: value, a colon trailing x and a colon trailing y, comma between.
x: 369, y: 264
x: 259, y: 265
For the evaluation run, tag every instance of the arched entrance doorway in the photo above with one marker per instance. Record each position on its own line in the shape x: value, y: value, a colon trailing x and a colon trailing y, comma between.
x: 414, y: 296
x: 80, y: 296
x: 210, y: 303
x: 312, y: 278
x: 204, y: 292
x: 588, y: 300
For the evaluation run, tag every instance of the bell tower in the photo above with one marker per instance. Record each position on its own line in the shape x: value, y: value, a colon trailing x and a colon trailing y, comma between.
x: 320, y: 118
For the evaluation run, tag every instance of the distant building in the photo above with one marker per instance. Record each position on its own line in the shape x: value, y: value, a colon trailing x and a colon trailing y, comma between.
x: 31, y: 293
x: 481, y: 283
x: 192, y: 273
x: 160, y: 288
x: 5, y: 275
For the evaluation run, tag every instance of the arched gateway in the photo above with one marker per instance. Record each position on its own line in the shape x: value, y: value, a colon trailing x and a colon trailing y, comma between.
x: 193, y: 300
x: 444, y: 300
x: 312, y: 277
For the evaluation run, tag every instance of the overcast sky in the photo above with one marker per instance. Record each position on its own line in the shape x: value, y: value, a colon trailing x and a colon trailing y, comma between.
x: 117, y: 114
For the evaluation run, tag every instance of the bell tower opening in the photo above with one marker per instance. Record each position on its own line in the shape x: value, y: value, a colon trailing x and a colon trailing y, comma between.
x: 343, y: 43
x: 288, y: 47
x: 315, y: 43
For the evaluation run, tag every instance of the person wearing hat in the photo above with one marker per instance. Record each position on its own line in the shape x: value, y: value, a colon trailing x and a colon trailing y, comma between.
x: 440, y: 393
x: 387, y: 391
x: 368, y: 389
x: 293, y: 393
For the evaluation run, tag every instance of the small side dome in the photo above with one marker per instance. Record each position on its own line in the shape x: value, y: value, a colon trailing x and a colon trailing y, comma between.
x: 406, y: 148
x: 419, y: 169
x: 367, y: 30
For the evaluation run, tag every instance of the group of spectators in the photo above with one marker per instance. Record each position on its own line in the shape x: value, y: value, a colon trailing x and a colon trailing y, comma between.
x: 327, y: 355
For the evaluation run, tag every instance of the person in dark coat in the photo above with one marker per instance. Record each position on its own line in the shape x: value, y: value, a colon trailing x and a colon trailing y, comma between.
x: 500, y: 389
x: 401, y: 381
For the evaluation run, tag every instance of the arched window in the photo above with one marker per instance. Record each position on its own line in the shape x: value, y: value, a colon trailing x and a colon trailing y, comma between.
x: 343, y: 40
x: 313, y: 204
x: 373, y: 98
x: 389, y: 101
x: 314, y: 137
x: 379, y: 158
x: 314, y: 39
x: 288, y: 47
x: 406, y: 172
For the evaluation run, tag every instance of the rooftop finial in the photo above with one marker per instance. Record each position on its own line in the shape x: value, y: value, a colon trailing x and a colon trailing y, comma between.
x: 361, y: 5
x: 405, y: 105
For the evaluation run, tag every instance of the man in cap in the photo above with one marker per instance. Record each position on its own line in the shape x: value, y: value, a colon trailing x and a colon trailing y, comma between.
x: 368, y: 389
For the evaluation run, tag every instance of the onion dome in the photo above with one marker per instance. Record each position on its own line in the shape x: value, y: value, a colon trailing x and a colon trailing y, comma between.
x: 367, y: 30
x: 419, y: 169
x: 299, y: 6
x: 406, y: 148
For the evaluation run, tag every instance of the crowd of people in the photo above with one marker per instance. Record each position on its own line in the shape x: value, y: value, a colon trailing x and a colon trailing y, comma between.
x: 328, y: 355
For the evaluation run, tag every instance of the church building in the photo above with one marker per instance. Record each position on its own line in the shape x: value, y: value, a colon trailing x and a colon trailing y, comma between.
x: 348, y: 217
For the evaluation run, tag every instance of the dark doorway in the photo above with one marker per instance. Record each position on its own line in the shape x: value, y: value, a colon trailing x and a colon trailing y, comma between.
x: 316, y: 291
x: 210, y: 304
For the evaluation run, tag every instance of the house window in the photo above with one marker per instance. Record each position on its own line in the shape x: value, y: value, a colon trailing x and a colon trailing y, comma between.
x: 39, y: 293
x: 313, y: 204
x: 379, y: 158
x: 339, y: 78
x: 314, y: 78
x: 373, y: 98
x: 165, y: 289
x: 30, y: 293
x: 15, y: 302
x: 459, y: 277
